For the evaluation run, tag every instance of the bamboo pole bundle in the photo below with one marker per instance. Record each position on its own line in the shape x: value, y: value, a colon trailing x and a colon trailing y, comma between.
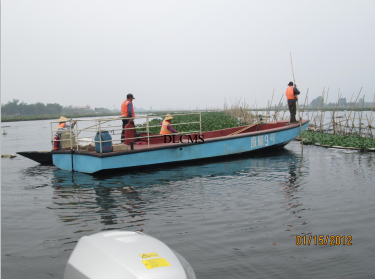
x: 333, y: 115
x: 352, y: 119
x: 243, y: 129
x: 308, y: 115
x: 280, y: 103
x: 369, y: 127
x: 331, y: 122
x: 269, y: 109
x: 360, y: 120
x: 346, y: 110
x: 286, y: 105
x: 324, y: 110
x: 317, y: 113
x: 353, y: 107
x: 304, y: 104
x: 370, y: 123
x: 337, y: 110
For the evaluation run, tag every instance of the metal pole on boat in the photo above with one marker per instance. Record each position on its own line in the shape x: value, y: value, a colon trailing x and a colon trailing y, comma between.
x: 299, y: 115
x: 200, y: 123
x: 51, y: 134
x: 70, y: 135
x: 77, y: 136
x: 100, y: 138
x: 148, y: 133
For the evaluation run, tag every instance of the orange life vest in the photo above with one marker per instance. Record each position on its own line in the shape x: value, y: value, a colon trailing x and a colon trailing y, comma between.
x: 60, y: 126
x: 164, y: 128
x: 290, y: 93
x: 124, y: 108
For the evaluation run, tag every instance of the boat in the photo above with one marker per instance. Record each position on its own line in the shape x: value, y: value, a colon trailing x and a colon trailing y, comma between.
x: 149, y: 149
x: 42, y: 157
x: 123, y: 254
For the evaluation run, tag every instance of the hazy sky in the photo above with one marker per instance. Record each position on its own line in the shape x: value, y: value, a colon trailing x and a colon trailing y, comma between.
x: 181, y: 54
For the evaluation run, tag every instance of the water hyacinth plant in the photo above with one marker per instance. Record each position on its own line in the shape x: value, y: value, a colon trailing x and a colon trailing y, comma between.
x: 210, y: 121
x: 336, y: 140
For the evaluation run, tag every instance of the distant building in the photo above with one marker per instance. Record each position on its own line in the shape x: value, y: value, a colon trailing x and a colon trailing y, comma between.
x: 78, y: 107
x: 138, y: 109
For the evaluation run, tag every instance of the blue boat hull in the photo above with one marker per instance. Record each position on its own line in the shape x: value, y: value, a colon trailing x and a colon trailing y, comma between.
x: 174, y: 153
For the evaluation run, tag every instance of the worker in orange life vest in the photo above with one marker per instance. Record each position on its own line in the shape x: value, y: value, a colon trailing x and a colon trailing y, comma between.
x: 291, y: 95
x: 127, y: 110
x: 166, y: 127
x: 63, y: 124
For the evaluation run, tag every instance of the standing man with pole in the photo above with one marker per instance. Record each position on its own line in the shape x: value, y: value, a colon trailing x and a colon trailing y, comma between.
x: 299, y: 116
x: 291, y: 95
x: 127, y: 110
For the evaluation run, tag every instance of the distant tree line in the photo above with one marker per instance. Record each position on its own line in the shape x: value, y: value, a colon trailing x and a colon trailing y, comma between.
x: 77, y: 111
x: 15, y: 108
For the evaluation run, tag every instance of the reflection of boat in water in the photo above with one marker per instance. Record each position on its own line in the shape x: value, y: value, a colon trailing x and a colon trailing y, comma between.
x: 223, y: 166
x: 156, y: 150
x: 126, y: 200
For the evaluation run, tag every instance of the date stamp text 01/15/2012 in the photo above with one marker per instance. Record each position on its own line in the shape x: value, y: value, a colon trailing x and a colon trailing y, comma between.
x: 324, y: 240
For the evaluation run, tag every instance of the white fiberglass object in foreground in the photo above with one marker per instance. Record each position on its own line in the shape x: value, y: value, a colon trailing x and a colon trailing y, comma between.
x: 125, y: 255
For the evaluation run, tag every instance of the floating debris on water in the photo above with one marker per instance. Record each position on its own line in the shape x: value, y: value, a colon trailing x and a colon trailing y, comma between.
x: 8, y: 156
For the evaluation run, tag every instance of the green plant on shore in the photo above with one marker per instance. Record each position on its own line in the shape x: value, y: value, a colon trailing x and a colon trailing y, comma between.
x: 336, y: 140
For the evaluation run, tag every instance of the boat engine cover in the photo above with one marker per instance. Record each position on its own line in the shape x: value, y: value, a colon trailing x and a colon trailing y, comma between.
x: 120, y: 254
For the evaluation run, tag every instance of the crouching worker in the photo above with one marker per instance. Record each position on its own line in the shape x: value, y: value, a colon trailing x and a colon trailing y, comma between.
x: 63, y: 124
x: 61, y: 141
x: 166, y: 127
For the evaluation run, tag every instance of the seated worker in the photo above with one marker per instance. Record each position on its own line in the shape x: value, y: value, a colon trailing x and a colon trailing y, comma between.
x: 166, y: 127
x: 63, y: 123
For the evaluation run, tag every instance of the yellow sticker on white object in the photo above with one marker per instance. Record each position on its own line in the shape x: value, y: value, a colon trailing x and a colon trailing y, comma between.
x: 149, y: 255
x: 160, y: 262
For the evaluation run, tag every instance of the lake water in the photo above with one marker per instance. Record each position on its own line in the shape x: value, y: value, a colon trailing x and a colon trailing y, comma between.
x: 237, y: 218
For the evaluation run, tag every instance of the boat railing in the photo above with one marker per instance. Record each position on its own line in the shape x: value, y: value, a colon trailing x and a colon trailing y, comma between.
x: 75, y: 142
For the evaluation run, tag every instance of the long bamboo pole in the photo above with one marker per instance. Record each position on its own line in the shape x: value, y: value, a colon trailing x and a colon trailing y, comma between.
x: 308, y: 114
x: 360, y: 119
x: 269, y: 109
x: 341, y: 131
x: 324, y: 113
x: 299, y: 115
x: 369, y: 123
x: 352, y: 109
x: 317, y: 113
x: 304, y: 103
x: 333, y: 117
x: 279, y: 105
x: 243, y: 129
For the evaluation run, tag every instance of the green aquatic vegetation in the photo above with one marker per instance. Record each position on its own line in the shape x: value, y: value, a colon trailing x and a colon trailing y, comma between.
x: 336, y: 140
x: 210, y: 121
